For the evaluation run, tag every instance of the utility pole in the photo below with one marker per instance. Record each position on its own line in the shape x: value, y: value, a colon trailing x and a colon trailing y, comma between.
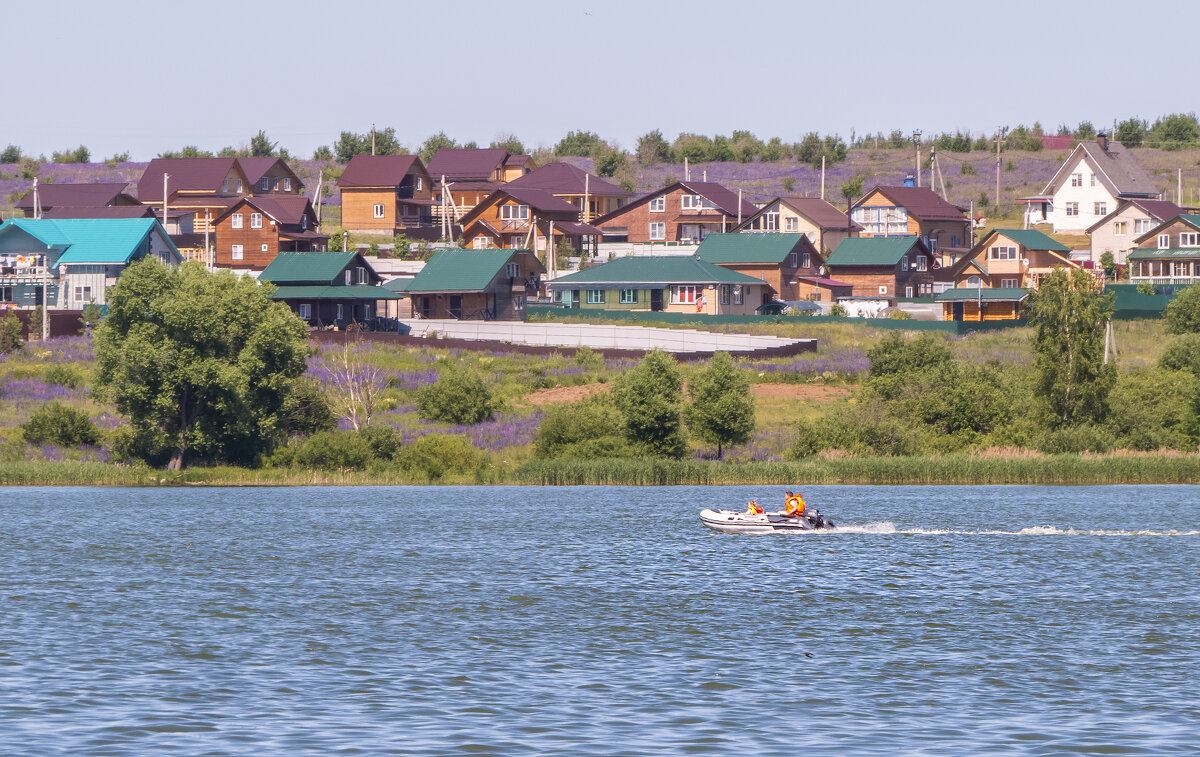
x: 1179, y: 186
x: 822, y: 177
x: 916, y: 140
x: 739, y: 207
x: 587, y: 213
x: 37, y: 199
x: 209, y: 258
x: 372, y: 139
x: 166, y: 176
x: 687, y: 172
x: 996, y: 201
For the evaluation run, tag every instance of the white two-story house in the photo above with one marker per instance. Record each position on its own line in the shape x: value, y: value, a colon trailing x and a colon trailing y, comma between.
x: 1089, y: 185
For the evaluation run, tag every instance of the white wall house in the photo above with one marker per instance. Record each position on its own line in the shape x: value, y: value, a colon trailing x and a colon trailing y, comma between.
x: 1118, y: 231
x: 1090, y: 184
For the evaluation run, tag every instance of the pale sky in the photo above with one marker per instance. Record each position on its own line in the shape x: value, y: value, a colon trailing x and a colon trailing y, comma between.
x: 145, y: 77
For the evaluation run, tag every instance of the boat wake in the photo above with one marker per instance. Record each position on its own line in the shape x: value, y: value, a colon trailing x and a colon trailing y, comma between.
x: 887, y: 527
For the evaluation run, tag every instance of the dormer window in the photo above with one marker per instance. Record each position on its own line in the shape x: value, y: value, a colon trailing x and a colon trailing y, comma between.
x: 239, y: 186
x: 287, y: 184
x: 417, y: 183
x: 1077, y: 180
x: 360, y: 275
x: 266, y: 183
x: 225, y: 185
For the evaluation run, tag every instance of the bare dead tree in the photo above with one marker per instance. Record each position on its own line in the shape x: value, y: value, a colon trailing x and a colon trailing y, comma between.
x: 357, y: 385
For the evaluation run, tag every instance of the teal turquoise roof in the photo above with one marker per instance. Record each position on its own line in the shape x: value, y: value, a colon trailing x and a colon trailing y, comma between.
x: 460, y: 270
x: 653, y: 270
x: 992, y: 294
x: 749, y: 247
x: 874, y: 251
x: 1168, y: 253
x: 1032, y: 239
x: 91, y: 240
x: 306, y: 267
x: 341, y: 292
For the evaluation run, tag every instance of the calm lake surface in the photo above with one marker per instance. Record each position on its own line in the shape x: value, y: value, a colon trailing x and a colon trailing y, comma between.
x: 598, y: 620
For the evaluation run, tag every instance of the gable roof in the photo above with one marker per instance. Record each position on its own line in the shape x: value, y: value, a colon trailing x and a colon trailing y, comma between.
x: 769, y: 247
x: 539, y: 201
x: 724, y: 199
x: 92, y: 240
x: 1191, y: 219
x: 821, y: 212
x: 563, y: 178
x: 984, y: 294
x: 1031, y: 239
x: 1115, y: 166
x: 920, y: 203
x: 283, y: 209
x: 1159, y: 210
x: 256, y: 168
x: 378, y: 170
x: 186, y: 174
x: 461, y: 270
x: 872, y: 251
x: 312, y: 268
x: 79, y: 195
x: 464, y: 163
x: 115, y: 211
x: 660, y: 270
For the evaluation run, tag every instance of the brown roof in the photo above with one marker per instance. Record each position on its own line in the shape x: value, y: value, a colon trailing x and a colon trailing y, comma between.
x: 379, y: 170
x: 188, y: 240
x: 921, y: 203
x: 187, y: 174
x: 1116, y: 167
x: 78, y: 195
x: 256, y: 168
x: 287, y: 210
x: 564, y: 178
x: 574, y: 227
x: 538, y: 200
x: 821, y: 212
x: 725, y: 199
x: 517, y: 160
x: 1159, y: 210
x: 117, y: 211
x: 461, y: 163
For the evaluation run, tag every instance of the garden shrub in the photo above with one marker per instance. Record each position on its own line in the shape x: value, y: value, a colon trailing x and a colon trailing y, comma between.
x: 64, y: 375
x: 334, y: 450
x: 55, y: 423
x: 898, y: 354
x: 11, y: 333
x: 458, y: 396
x: 1150, y: 409
x: 436, y: 455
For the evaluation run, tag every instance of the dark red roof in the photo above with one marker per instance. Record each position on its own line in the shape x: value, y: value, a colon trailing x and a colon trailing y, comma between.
x: 256, y: 168
x: 538, y: 199
x: 564, y: 178
x: 922, y: 203
x: 378, y: 170
x: 821, y: 212
x: 287, y: 210
x: 117, y: 211
x: 517, y: 160
x: 186, y: 174
x: 78, y: 195
x: 1056, y: 142
x: 725, y: 199
x: 460, y: 163
x: 1162, y: 209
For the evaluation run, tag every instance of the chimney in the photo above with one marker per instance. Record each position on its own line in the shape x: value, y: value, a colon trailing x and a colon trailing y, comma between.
x: 1102, y: 140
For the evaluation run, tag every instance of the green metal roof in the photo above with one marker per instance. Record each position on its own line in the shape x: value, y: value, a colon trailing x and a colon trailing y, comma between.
x: 91, y: 240
x: 750, y: 247
x: 1168, y: 253
x: 460, y: 270
x: 871, y: 251
x: 663, y: 269
x: 1191, y: 218
x: 359, y: 292
x: 306, y: 267
x: 994, y: 294
x: 1032, y: 239
x: 979, y: 266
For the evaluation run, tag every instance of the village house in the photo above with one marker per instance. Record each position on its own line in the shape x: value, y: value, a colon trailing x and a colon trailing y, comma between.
x: 270, y: 176
x: 790, y: 263
x: 824, y: 224
x: 58, y: 197
x: 684, y: 212
x: 1011, y: 259
x: 1116, y: 232
x: 1089, y: 185
x: 1169, y: 254
x: 983, y: 303
x: 327, y: 289
x: 470, y: 175
x: 206, y: 186
x: 387, y: 194
x: 249, y: 235
x: 474, y: 284
x: 944, y: 229
x: 518, y: 217
x: 668, y: 283
x: 883, y: 268
x: 576, y: 186
x: 76, y: 259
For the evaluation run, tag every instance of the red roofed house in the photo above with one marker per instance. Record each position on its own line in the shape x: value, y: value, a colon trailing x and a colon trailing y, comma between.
x: 1118, y: 231
x: 518, y: 217
x: 682, y: 212
x: 255, y: 229
x: 915, y: 211
x: 208, y: 186
x: 270, y: 176
x: 52, y: 196
x: 472, y: 174
x: 387, y: 194
x: 823, y: 224
x: 574, y: 185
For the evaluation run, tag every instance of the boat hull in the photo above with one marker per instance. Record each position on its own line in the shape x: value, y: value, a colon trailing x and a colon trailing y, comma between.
x: 738, y: 522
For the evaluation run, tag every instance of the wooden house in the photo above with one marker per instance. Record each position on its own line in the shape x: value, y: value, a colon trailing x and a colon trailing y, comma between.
x: 883, y: 267
x: 387, y: 194
x: 1011, y: 259
x: 592, y: 195
x: 823, y: 224
x: 474, y: 284
x: 915, y: 211
x: 668, y: 283
x: 1117, y: 232
x: 465, y: 176
x: 59, y: 197
x: 327, y: 289
x: 267, y: 176
x: 254, y: 230
x: 983, y: 303
x: 788, y: 262
x: 206, y: 186
x: 519, y: 217
x: 1168, y: 254
x: 684, y: 212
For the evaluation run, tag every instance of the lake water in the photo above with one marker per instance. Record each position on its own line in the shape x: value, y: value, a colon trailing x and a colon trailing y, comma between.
x: 589, y: 620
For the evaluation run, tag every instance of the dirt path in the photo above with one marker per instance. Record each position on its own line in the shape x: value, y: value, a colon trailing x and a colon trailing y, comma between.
x: 563, y: 394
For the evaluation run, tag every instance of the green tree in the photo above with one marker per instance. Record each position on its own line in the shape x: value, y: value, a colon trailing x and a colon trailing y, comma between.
x: 1085, y: 131
x: 12, y: 333
x: 1108, y: 264
x: 587, y: 429
x: 323, y: 153
x: 79, y: 155
x: 261, y: 145
x: 1183, y: 312
x: 1175, y: 132
x: 433, y: 143
x: 853, y: 188
x: 509, y: 141
x: 55, y: 423
x: 607, y: 160
x: 1131, y: 132
x: 458, y: 396
x: 694, y: 147
x: 187, y: 151
x: 578, y: 144
x: 649, y: 398
x: 349, y: 144
x: 1069, y: 317
x: 722, y: 409
x: 204, y: 360
x: 719, y: 150
x: 652, y: 149
x: 10, y: 154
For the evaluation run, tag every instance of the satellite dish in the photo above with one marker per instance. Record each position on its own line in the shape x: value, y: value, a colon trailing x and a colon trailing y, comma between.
x: 824, y: 270
x: 1025, y: 262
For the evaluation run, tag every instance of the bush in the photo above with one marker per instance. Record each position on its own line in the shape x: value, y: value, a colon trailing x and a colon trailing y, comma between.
x: 588, y: 359
x: 838, y: 310
x: 864, y: 429
x: 333, y: 450
x: 435, y: 455
x: 12, y: 333
x: 899, y: 315
x: 56, y: 423
x: 1150, y: 409
x: 458, y: 396
x: 1183, y: 312
x: 64, y: 375
x: 1075, y: 439
x: 1182, y: 354
x: 899, y: 354
x: 588, y: 429
x: 385, y: 441
x: 129, y: 443
x: 306, y: 410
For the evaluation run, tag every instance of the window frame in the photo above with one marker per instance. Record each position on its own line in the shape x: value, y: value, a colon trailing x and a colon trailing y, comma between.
x: 1100, y: 208
x: 287, y: 184
x: 1189, y: 239
x: 236, y: 252
x: 1120, y: 228
x: 266, y: 183
x: 256, y: 220
x: 662, y: 231
x: 1003, y: 252
x: 236, y: 221
x: 683, y: 294
x: 1009, y: 283
x: 1071, y: 209
x: 304, y: 311
x: 379, y: 210
x: 512, y: 270
x: 791, y: 224
x: 82, y: 293
x: 723, y: 294
x: 922, y: 263
x: 739, y: 294
x: 660, y: 202
x: 509, y: 212
x: 1164, y: 241
x: 596, y: 296
x: 627, y: 297
x: 1077, y: 179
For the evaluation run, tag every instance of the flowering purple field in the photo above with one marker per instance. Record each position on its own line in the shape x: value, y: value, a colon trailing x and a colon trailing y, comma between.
x: 28, y: 389
x: 845, y: 363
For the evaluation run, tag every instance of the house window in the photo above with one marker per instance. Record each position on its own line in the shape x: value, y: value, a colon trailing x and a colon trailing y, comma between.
x: 235, y: 221
x: 658, y: 205
x: 689, y: 202
x: 265, y: 248
x: 239, y: 186
x: 514, y: 212
x: 1189, y: 239
x: 379, y: 210
x: 806, y: 261
x: 256, y: 220
x: 791, y: 223
x: 1141, y: 225
x: 1119, y: 228
x: 481, y: 243
x: 737, y: 295
x: 266, y: 183
x: 628, y: 297
x: 235, y: 252
x: 8, y: 294
x: 922, y: 263
x: 305, y: 311
x: 512, y: 270
x: 908, y: 292
x: 339, y: 312
x: 595, y: 296
x: 1100, y: 208
x: 515, y: 241
x: 881, y: 220
x: 771, y: 221
x: 225, y: 185
x: 303, y: 223
x: 417, y: 183
x: 1181, y: 268
x: 658, y: 230
x: 1164, y: 241
x: 903, y: 264
x: 83, y: 294
x: 287, y: 184
x: 347, y: 276
x: 276, y: 185
x: 974, y: 282
x: 1072, y: 208
x: 1004, y: 253
x: 360, y: 275
x: 883, y: 290
x: 1008, y: 283
x: 1077, y: 180
x: 724, y: 294
x: 793, y: 258
x: 1093, y: 179
x: 683, y: 294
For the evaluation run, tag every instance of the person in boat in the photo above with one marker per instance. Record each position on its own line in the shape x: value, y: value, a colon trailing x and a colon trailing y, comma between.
x: 753, y: 508
x: 793, y: 505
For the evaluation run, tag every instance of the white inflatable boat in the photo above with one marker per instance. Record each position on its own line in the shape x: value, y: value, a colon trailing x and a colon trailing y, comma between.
x: 742, y: 522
